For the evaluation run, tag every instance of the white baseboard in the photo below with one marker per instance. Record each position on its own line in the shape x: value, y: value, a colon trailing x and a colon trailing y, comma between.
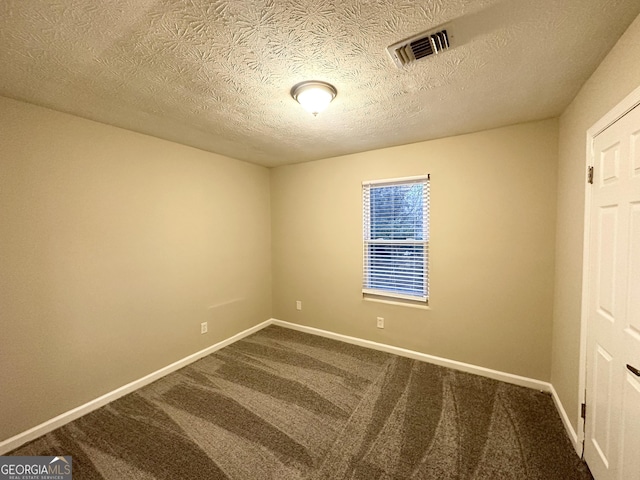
x: 50, y: 425
x: 57, y: 422
x: 577, y: 442
x: 444, y: 362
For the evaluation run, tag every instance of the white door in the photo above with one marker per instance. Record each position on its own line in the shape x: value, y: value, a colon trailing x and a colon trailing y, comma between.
x: 612, y: 428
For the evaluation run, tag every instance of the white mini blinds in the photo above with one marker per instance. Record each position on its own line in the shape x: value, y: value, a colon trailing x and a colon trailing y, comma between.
x: 395, y: 216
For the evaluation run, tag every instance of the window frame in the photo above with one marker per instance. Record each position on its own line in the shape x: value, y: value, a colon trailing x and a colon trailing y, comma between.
x: 368, y: 241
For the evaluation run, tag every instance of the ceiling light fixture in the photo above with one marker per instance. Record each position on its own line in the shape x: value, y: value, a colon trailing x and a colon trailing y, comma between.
x: 314, y: 95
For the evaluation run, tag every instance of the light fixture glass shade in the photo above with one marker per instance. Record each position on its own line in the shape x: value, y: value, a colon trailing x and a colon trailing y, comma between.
x: 314, y: 96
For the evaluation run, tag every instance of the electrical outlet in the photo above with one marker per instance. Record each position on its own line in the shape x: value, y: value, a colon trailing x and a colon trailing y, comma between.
x: 380, y: 322
x: 204, y: 327
x: 298, y: 305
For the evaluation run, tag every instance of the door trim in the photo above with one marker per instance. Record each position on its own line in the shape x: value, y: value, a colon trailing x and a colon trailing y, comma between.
x: 616, y: 113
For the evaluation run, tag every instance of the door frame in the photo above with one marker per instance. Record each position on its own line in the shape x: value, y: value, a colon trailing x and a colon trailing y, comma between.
x: 627, y: 104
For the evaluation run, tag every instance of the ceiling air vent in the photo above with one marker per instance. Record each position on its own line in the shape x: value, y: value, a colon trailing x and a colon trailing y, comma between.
x: 420, y: 46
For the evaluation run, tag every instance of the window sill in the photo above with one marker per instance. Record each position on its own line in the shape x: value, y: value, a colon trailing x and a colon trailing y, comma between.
x: 399, y: 302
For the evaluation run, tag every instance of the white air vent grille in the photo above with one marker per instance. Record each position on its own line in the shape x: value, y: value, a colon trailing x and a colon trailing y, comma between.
x: 420, y: 46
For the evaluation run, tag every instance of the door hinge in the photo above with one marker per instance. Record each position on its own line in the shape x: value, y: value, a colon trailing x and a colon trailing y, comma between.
x: 583, y: 411
x: 590, y: 175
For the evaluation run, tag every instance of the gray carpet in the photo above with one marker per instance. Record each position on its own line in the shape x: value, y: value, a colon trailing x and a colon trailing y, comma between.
x: 281, y: 404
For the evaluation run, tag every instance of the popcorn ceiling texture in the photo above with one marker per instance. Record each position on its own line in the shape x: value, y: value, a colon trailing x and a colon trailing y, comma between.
x: 216, y: 74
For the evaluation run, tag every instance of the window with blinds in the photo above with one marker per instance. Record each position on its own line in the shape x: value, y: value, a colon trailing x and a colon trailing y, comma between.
x: 396, y: 238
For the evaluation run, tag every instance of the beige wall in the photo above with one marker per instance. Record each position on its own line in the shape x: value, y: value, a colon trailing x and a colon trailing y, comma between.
x: 493, y: 197
x: 113, y: 246
x: 615, y: 78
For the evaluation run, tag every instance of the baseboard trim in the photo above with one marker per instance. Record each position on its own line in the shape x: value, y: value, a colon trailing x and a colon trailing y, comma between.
x: 64, y: 418
x: 573, y: 435
x: 444, y: 362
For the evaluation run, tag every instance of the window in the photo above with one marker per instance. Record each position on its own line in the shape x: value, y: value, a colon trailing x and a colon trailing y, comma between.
x: 396, y: 238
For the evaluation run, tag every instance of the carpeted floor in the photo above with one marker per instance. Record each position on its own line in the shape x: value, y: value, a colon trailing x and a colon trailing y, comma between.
x: 281, y: 405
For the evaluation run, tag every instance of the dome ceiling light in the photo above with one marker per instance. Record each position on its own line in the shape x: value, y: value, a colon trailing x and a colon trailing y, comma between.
x: 314, y: 95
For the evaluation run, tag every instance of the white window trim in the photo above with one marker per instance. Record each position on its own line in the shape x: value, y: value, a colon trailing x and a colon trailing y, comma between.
x: 425, y: 242
x: 397, y: 181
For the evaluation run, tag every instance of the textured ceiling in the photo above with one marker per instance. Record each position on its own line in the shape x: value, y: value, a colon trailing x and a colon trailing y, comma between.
x: 216, y: 74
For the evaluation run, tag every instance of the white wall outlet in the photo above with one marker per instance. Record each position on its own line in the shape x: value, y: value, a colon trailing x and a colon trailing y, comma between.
x: 204, y: 327
x: 380, y: 322
x: 298, y: 305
